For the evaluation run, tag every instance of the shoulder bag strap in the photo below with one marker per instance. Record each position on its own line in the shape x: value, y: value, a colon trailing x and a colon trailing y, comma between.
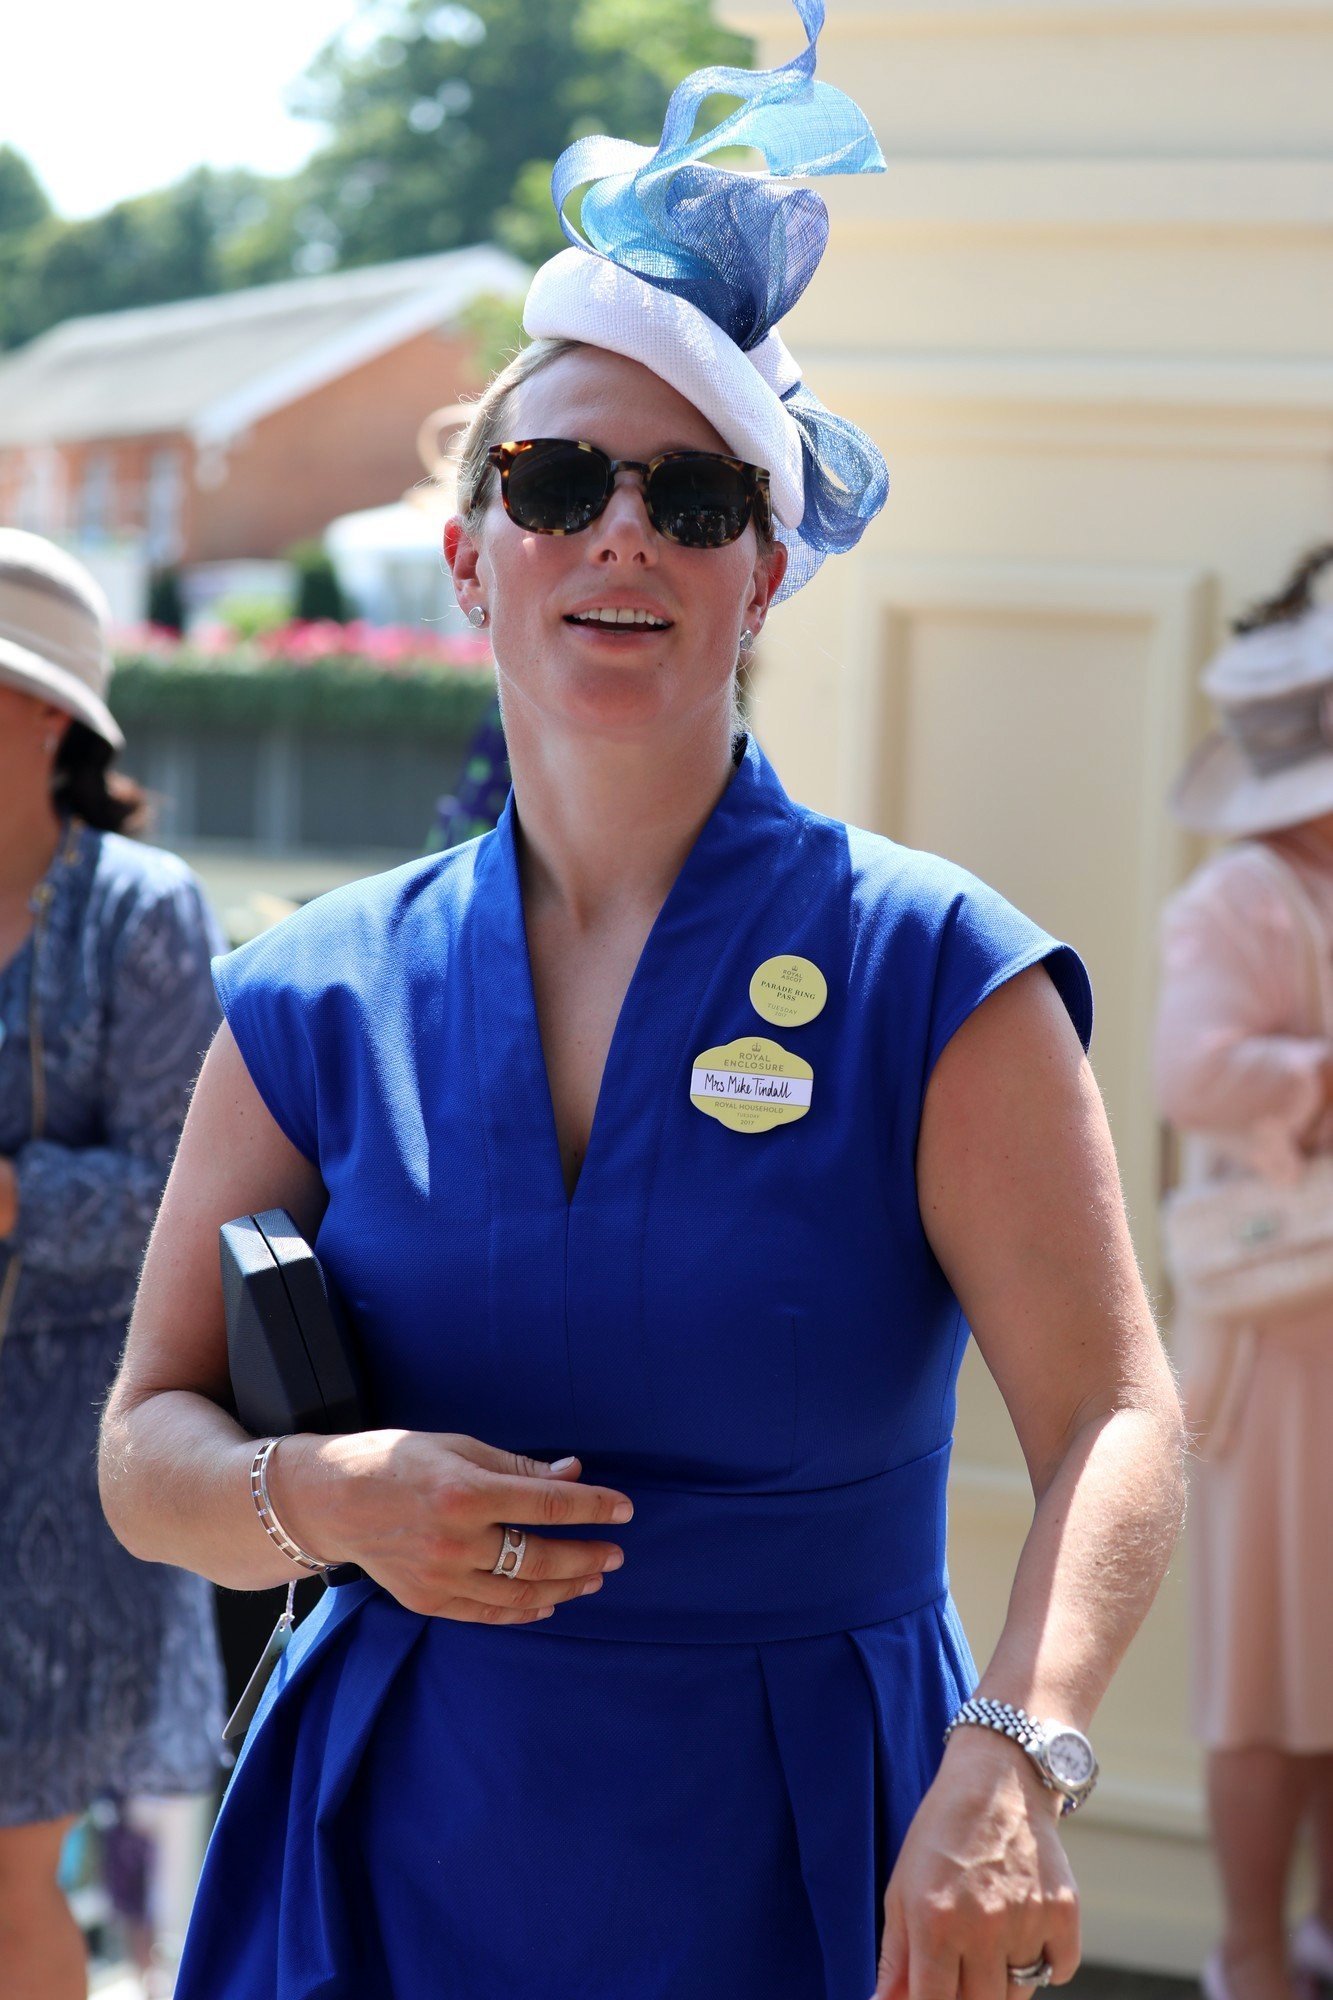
x: 43, y: 896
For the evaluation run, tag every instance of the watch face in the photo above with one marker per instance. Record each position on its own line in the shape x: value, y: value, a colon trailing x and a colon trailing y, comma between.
x: 1070, y: 1757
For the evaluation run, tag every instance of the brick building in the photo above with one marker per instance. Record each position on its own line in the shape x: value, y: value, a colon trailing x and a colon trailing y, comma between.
x: 227, y: 428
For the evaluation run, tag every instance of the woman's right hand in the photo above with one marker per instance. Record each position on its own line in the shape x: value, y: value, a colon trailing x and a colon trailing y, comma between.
x: 424, y: 1514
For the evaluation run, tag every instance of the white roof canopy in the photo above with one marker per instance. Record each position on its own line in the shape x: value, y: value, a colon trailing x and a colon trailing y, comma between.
x: 210, y: 367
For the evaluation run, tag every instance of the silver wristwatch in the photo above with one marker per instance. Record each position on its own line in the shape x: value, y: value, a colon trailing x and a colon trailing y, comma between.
x: 1062, y: 1755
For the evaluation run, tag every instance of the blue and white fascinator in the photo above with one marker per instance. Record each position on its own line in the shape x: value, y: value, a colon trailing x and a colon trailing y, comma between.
x: 687, y: 268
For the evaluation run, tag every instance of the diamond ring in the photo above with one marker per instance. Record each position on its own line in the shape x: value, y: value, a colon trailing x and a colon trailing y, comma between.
x: 515, y: 1544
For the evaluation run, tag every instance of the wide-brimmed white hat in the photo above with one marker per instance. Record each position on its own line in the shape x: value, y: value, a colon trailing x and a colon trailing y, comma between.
x: 54, y: 622
x: 1270, y: 763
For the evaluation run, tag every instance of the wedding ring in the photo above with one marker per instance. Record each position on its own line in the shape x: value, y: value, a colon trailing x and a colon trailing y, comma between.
x: 1032, y: 1975
x: 515, y: 1544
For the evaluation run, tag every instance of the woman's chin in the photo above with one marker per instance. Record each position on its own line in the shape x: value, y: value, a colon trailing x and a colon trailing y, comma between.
x: 613, y: 693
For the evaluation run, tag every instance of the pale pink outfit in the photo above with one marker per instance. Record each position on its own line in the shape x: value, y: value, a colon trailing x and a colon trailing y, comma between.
x: 1238, y: 1049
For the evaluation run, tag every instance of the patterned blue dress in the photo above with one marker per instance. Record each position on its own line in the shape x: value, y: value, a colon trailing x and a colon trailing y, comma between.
x: 109, y: 1675
x: 691, y: 1786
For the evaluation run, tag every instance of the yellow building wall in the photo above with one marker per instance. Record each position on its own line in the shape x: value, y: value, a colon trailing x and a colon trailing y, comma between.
x: 1088, y: 314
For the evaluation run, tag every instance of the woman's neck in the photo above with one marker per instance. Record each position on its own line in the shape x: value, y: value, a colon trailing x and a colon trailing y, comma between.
x: 30, y: 830
x: 608, y: 824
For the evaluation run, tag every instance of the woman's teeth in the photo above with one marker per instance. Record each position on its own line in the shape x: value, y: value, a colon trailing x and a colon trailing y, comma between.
x: 619, y: 618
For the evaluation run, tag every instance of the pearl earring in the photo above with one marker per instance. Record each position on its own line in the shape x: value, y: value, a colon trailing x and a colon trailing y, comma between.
x: 477, y: 616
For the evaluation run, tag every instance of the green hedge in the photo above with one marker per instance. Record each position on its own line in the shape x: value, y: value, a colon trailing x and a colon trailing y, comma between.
x: 338, y: 695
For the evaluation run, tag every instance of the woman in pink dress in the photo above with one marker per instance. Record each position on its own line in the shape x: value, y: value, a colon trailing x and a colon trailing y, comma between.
x: 1244, y: 1063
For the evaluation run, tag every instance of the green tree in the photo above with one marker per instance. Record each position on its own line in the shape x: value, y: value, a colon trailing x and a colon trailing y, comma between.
x: 24, y: 207
x: 318, y: 591
x: 23, y: 199
x: 444, y: 127
x: 205, y: 233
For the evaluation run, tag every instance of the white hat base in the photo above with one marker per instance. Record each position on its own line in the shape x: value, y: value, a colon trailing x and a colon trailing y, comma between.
x: 35, y: 676
x: 1219, y: 793
x: 578, y: 295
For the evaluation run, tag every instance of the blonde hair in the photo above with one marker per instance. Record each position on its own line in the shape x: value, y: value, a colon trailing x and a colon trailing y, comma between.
x: 489, y: 423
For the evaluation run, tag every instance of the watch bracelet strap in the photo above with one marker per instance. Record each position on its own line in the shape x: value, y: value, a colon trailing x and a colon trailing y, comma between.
x: 1019, y: 1726
x: 1002, y: 1715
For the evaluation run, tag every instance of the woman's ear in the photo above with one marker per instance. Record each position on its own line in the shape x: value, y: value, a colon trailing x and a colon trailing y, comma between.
x: 765, y: 583
x: 462, y: 556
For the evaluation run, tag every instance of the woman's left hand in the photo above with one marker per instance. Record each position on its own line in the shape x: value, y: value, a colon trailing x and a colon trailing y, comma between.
x: 982, y: 1883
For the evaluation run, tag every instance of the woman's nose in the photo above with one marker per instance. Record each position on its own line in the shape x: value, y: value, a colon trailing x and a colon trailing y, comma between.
x: 623, y: 526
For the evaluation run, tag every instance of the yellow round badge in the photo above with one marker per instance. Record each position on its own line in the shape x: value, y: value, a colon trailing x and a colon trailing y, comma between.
x: 788, y: 991
x: 751, y: 1085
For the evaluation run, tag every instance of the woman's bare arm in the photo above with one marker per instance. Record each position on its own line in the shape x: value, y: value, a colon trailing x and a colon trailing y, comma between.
x: 174, y: 1466
x: 420, y: 1511
x: 1021, y: 1201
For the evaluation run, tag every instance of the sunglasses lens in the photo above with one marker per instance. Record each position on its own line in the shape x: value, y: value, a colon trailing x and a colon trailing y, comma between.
x: 555, y: 488
x: 700, y: 501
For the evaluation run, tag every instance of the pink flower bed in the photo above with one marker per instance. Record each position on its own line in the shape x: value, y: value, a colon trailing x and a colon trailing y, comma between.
x: 392, y: 647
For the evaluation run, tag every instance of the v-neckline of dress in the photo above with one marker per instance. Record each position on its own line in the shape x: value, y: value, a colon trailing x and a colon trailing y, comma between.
x: 654, y: 1011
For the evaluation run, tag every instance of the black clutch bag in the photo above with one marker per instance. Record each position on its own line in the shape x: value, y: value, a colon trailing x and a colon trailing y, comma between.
x: 294, y: 1367
x: 293, y: 1361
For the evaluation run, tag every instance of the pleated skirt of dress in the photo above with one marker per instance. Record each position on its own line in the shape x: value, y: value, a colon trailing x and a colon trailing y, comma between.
x: 505, y: 1812
x: 1260, y: 1550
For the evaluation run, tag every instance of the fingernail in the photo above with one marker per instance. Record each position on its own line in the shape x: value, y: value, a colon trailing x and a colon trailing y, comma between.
x: 593, y: 1583
x: 615, y: 1559
x: 622, y: 1511
x: 559, y: 1464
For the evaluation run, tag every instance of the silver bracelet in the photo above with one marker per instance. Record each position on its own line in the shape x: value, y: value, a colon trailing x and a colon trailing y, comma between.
x: 272, y: 1526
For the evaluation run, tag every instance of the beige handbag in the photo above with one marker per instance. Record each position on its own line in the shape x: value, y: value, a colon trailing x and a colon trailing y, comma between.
x: 1242, y: 1248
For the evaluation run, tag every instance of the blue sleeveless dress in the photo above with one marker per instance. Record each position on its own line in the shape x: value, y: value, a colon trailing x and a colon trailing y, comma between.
x: 692, y: 1785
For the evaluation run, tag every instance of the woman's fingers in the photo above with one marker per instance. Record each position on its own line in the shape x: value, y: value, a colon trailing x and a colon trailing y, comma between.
x: 545, y: 1502
x: 546, y: 1562
x: 891, y: 1980
x: 984, y: 1972
x: 933, y: 1969
x: 1064, y: 1935
x: 434, y: 1511
x: 524, y: 1591
x: 528, y: 1492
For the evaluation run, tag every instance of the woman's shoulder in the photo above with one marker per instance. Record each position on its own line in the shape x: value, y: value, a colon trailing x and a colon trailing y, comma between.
x: 1240, y: 884
x: 910, y: 887
x: 925, y: 925
x: 134, y: 867
x: 131, y: 885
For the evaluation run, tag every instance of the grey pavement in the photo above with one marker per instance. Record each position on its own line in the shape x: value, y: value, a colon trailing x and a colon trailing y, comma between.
x: 1114, y: 1982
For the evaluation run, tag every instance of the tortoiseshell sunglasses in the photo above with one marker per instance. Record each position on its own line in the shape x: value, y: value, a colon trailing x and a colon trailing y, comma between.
x: 558, y: 486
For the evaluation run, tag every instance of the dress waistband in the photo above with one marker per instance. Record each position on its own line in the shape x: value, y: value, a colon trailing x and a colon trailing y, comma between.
x: 735, y: 1567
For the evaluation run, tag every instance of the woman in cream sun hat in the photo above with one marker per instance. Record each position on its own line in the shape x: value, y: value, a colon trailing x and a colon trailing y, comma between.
x: 1270, y: 763
x: 1244, y: 1066
x: 53, y: 631
x: 109, y: 1682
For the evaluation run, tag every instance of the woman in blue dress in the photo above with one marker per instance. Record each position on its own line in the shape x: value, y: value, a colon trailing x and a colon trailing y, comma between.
x: 110, y: 1683
x: 664, y: 1143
